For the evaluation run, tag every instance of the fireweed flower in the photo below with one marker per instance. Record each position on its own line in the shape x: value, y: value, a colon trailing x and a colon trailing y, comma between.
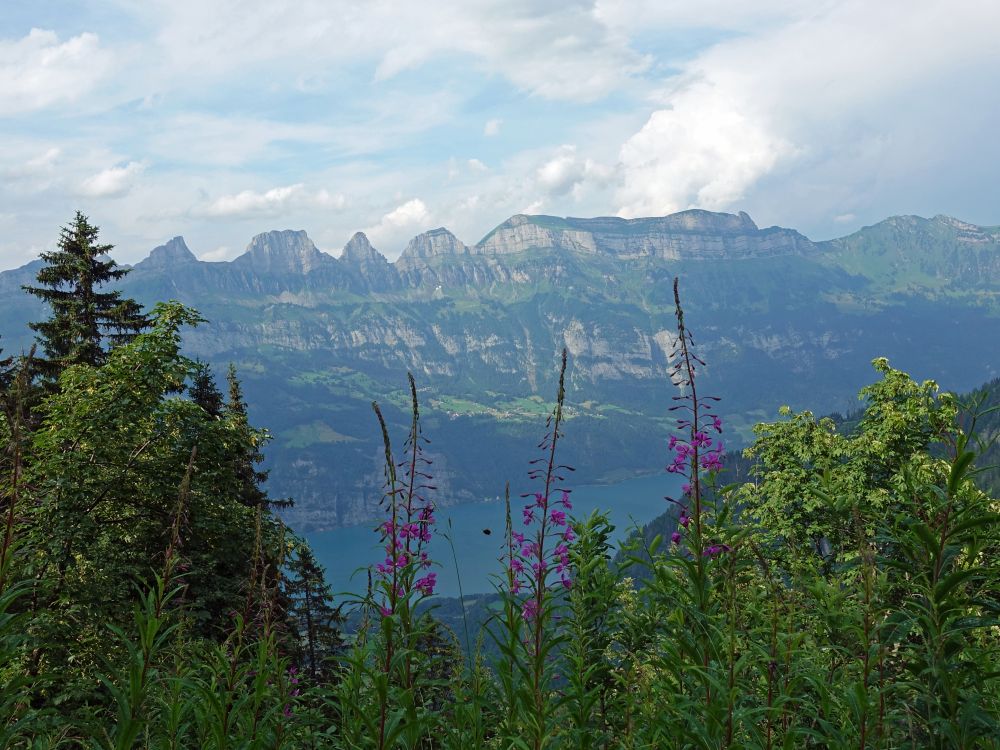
x: 693, y: 450
x: 411, y: 518
x: 533, y: 563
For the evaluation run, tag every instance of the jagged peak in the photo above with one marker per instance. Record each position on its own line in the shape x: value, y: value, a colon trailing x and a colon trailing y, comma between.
x: 438, y: 241
x: 360, y: 250
x: 286, y: 250
x: 170, y: 253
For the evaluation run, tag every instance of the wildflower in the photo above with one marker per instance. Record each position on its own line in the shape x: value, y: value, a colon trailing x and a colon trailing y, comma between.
x: 564, y: 500
x: 529, y: 609
x: 558, y: 517
x: 426, y: 584
x: 529, y: 516
x: 676, y: 537
x: 712, y: 461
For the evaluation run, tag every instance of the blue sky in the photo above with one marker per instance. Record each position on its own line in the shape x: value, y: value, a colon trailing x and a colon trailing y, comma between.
x: 218, y: 120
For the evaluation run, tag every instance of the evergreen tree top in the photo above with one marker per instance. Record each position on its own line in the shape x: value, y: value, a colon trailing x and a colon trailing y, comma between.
x: 83, y: 318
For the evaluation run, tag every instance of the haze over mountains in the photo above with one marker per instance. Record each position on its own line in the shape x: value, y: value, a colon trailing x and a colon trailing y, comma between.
x: 779, y: 318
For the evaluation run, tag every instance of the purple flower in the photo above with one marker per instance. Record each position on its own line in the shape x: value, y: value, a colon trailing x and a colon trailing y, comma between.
x: 386, y: 611
x: 426, y: 584
x: 565, y: 501
x: 517, y: 537
x: 683, y: 520
x: 701, y: 440
x: 529, y: 516
x: 568, y: 534
x: 530, y: 609
x: 676, y: 537
x: 716, y: 423
x: 558, y: 517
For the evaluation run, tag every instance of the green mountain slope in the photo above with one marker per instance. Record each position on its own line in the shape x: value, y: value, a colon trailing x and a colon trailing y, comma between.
x: 780, y: 319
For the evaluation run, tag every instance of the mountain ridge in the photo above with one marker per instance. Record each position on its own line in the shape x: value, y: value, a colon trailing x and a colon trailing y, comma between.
x: 779, y: 318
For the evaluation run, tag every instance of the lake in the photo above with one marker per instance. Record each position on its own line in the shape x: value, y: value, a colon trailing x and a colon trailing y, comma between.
x: 342, y: 551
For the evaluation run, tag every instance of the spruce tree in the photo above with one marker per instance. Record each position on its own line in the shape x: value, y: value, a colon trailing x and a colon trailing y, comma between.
x: 311, y: 612
x: 204, y: 392
x: 85, y: 322
x: 248, y: 454
x: 6, y: 371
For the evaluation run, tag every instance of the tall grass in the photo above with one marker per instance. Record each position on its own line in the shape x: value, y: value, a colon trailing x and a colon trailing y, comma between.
x: 876, y: 628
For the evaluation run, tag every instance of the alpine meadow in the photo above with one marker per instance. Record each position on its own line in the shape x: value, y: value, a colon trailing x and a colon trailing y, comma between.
x: 668, y: 477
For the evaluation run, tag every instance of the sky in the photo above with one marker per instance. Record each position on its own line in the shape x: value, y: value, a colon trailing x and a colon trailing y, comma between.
x: 219, y: 120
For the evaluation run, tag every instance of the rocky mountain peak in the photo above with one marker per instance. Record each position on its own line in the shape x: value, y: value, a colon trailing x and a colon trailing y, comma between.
x: 693, y: 234
x: 438, y: 241
x: 169, y: 254
x: 359, y: 251
x: 286, y: 251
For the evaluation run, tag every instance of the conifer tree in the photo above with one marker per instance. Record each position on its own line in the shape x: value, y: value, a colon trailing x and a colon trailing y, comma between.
x: 311, y: 612
x: 6, y: 371
x: 248, y: 454
x: 85, y: 322
x: 204, y: 392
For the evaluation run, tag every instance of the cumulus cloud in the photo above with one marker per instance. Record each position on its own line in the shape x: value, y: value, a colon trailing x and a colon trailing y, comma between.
x: 401, y: 223
x: 566, y: 171
x: 112, y: 182
x: 832, y: 99
x: 492, y: 127
x: 270, y: 203
x: 38, y: 70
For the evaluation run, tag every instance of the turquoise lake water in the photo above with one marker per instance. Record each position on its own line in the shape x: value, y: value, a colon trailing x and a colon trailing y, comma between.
x: 343, y: 551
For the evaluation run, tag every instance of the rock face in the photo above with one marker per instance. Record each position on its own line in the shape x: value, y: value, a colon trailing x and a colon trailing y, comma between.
x: 688, y: 235
x: 429, y: 245
x: 279, y: 252
x: 372, y: 270
x: 779, y: 319
x: 169, y: 255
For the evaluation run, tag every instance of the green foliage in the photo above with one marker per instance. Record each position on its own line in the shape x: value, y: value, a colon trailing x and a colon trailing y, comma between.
x: 313, y: 614
x: 82, y: 315
x: 848, y: 597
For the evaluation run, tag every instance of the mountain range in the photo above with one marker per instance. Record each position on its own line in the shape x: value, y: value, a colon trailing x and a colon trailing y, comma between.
x: 779, y: 319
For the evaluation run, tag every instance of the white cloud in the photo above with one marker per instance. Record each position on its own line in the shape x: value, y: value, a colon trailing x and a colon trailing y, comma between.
x: 568, y: 172
x: 270, y: 203
x: 111, y: 182
x: 37, y: 166
x: 477, y: 166
x: 492, y: 127
x: 822, y: 104
x: 222, y: 252
x: 38, y: 70
x: 398, y: 225
x: 560, y: 50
